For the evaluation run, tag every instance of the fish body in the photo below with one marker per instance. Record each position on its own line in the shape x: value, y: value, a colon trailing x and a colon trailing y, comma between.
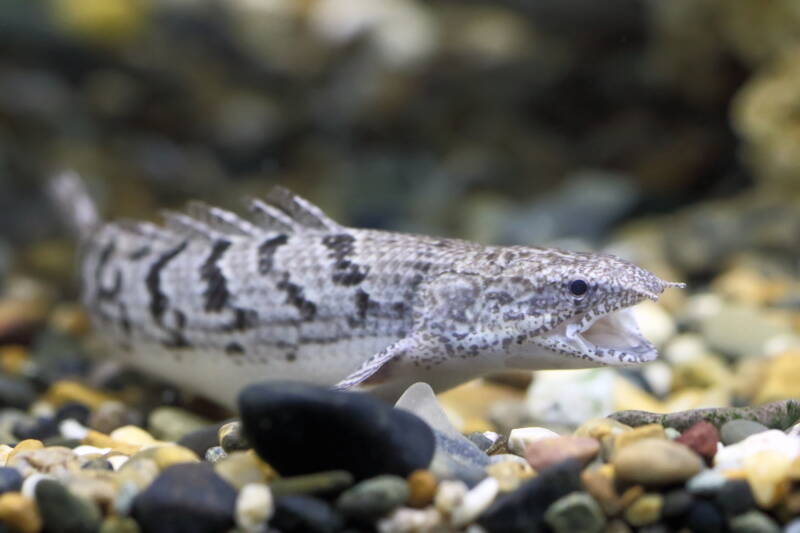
x: 213, y: 302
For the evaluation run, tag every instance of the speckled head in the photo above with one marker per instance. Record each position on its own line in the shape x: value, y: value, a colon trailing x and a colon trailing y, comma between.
x: 578, y: 305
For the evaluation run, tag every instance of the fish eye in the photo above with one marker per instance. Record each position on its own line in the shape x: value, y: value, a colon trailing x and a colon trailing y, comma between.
x: 578, y: 287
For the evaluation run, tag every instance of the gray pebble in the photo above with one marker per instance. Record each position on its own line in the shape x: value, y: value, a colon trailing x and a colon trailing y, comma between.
x: 754, y: 522
x: 738, y: 430
x: 575, y: 513
x: 373, y: 498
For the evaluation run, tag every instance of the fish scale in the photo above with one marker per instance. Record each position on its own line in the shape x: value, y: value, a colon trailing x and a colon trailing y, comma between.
x: 214, y: 301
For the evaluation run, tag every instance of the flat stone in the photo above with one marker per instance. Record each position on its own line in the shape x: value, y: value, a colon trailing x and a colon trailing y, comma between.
x: 702, y: 438
x: 656, y: 462
x: 304, y: 514
x: 754, y: 522
x: 286, y: 422
x: 575, y: 513
x: 186, y: 498
x: 523, y: 510
x: 373, y: 498
x: 63, y: 511
x: 738, y: 430
x: 645, y: 511
x: 549, y: 451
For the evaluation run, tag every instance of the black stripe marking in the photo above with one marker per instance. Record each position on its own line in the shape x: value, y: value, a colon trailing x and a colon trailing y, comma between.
x: 107, y: 293
x: 345, y: 271
x: 295, y: 297
x: 266, y: 253
x: 216, y: 294
x: 158, y: 300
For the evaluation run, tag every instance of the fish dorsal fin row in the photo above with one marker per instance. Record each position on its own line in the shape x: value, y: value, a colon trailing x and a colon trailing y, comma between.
x: 144, y: 230
x: 303, y: 213
x: 221, y: 221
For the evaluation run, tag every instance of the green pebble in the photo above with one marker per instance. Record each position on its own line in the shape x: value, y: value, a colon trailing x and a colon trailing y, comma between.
x: 577, y: 512
x: 754, y: 522
x: 64, y: 512
x: 322, y: 483
x: 373, y: 498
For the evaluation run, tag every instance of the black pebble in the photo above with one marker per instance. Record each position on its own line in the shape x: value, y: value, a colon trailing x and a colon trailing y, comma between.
x: 186, y: 498
x: 63, y: 512
x: 200, y: 440
x: 735, y: 498
x: 301, y: 514
x: 676, y: 503
x: 16, y: 393
x: 10, y: 480
x: 302, y: 429
x: 705, y: 517
x: 523, y: 510
x: 36, y: 428
x: 74, y: 411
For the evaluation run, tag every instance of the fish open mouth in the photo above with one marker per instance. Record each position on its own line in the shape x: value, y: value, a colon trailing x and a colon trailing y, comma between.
x: 610, y: 339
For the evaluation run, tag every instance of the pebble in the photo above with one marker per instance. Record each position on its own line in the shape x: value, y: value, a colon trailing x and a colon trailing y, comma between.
x: 474, y: 502
x: 304, y: 514
x: 768, y: 474
x: 132, y: 435
x: 510, y: 474
x: 738, y: 430
x: 655, y: 462
x: 600, y: 485
x: 366, y: 437
x: 231, y: 437
x: 740, y: 330
x: 74, y: 411
x: 54, y: 460
x: 706, y: 483
x: 600, y: 428
x: 140, y: 471
x: 24, y: 446
x: 735, y: 497
x: 169, y: 455
x: 520, y: 438
x: 329, y: 483
x: 575, y: 513
x: 172, y: 423
x: 405, y: 520
x: 118, y: 524
x: 523, y: 510
x: 648, y: 431
x: 551, y: 397
x: 109, y: 416
x: 166, y: 506
x: 63, y: 511
x: 10, y: 480
x: 240, y: 469
x: 254, y: 507
x: 549, y: 451
x: 20, y: 513
x: 215, y: 454
x: 201, y: 440
x: 733, y: 457
x: 645, y: 510
x: 449, y: 495
x: 754, y: 522
x: 16, y: 393
x: 422, y: 488
x: 782, y: 379
x: 704, y: 516
x: 65, y: 392
x: 677, y: 503
x: 373, y: 498
x: 702, y: 438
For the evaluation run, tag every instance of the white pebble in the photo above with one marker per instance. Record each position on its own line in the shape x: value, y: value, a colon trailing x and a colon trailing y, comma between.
x: 254, y: 507
x: 29, y: 485
x: 475, y: 502
x: 449, y: 494
x: 732, y: 457
x: 117, y: 461
x: 654, y: 322
x: 520, y: 438
x: 792, y: 527
x: 685, y: 348
x: 85, y: 449
x: 659, y: 376
x: 407, y: 520
x: 72, y: 429
x: 42, y: 409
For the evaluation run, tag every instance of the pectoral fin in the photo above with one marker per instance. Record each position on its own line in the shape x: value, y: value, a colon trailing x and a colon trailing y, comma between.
x: 371, y: 368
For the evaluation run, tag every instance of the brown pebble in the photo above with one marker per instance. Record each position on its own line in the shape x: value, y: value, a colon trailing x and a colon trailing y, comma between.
x: 703, y: 438
x: 601, y: 487
x: 101, y: 440
x: 648, y: 431
x: 422, y: 488
x: 546, y: 452
x: 20, y: 513
x: 65, y: 391
x: 656, y: 462
x: 24, y: 446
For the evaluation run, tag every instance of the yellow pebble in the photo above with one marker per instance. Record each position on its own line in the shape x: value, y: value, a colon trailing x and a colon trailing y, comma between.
x: 5, y: 451
x: 266, y: 469
x: 63, y: 392
x: 422, y: 488
x: 598, y: 428
x: 25, y: 446
x: 649, y: 431
x: 645, y: 510
x: 510, y: 474
x: 768, y: 474
x: 132, y: 435
x: 13, y: 359
x: 165, y: 456
x: 101, y: 440
x: 20, y: 513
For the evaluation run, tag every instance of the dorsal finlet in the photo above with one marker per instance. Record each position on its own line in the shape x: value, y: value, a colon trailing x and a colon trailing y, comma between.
x: 183, y: 224
x: 144, y: 229
x: 221, y: 221
x: 303, y: 212
x: 271, y: 218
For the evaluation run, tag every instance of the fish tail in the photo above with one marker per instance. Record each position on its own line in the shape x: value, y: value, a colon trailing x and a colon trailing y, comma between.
x: 69, y: 194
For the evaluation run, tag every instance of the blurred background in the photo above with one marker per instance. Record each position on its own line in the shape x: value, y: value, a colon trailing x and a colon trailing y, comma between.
x: 666, y: 132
